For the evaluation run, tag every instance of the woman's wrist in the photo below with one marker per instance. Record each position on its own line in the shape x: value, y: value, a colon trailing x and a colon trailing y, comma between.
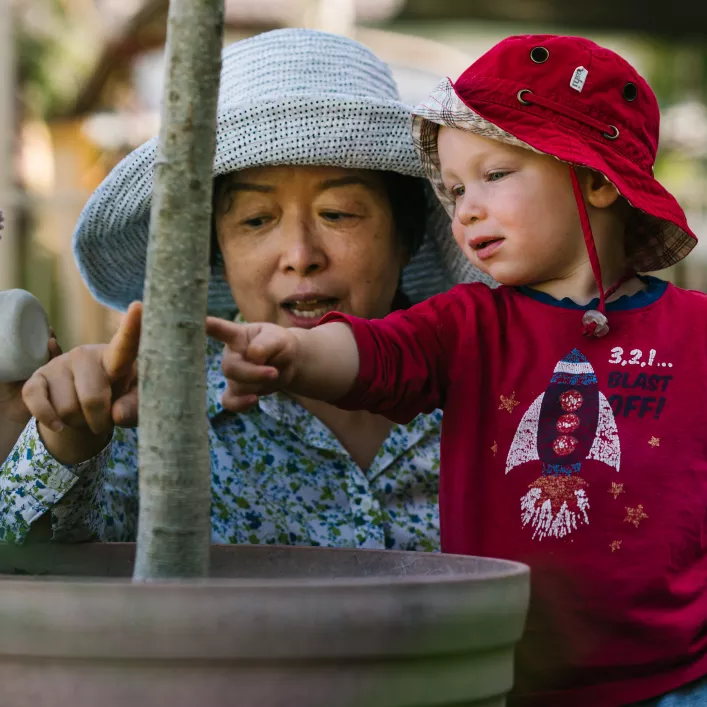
x: 10, y: 431
x: 71, y: 446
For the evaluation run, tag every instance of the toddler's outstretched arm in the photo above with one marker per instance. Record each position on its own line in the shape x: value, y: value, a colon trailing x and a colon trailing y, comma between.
x: 259, y: 359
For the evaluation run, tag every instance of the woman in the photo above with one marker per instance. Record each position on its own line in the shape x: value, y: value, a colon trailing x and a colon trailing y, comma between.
x: 317, y: 205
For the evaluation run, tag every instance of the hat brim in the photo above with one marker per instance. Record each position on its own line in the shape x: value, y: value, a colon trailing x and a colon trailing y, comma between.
x: 660, y: 235
x: 110, y: 239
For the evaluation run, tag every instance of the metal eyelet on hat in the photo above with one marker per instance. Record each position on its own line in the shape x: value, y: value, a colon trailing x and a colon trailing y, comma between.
x: 539, y: 55
x: 630, y: 91
x: 608, y: 136
x: 522, y: 100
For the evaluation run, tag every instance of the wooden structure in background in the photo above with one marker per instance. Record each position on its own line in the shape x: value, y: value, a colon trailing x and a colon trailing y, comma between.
x: 10, y: 245
x: 79, y: 165
x: 678, y: 19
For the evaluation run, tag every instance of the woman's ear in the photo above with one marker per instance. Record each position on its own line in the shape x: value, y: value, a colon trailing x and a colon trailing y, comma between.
x: 599, y: 191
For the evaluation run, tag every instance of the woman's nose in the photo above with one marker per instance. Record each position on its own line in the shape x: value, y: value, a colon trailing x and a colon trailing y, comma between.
x: 302, y: 250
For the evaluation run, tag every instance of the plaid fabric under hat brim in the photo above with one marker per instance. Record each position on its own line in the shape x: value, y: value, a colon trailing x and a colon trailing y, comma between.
x: 288, y: 97
x: 660, y: 236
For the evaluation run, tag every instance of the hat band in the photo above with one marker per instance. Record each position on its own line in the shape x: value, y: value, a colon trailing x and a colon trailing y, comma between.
x: 526, y: 97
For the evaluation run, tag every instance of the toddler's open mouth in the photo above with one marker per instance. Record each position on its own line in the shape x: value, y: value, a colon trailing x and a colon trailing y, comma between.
x: 486, y: 248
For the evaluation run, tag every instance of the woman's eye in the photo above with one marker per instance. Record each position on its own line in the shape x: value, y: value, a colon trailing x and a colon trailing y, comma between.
x: 336, y: 216
x: 495, y: 176
x: 255, y: 222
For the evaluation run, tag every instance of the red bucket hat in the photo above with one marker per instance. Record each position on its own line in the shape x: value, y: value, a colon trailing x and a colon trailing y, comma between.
x: 583, y: 104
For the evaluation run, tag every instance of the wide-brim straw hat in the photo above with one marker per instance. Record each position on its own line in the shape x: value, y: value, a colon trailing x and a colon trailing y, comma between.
x: 287, y: 97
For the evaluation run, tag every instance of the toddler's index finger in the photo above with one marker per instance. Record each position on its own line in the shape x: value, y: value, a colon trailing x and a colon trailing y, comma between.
x: 123, y: 348
x: 229, y: 333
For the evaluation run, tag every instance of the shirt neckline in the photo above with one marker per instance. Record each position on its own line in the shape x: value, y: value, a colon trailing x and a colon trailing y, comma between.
x: 655, y: 288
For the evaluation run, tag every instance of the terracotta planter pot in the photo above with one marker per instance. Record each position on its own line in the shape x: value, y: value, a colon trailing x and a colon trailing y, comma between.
x: 273, y: 627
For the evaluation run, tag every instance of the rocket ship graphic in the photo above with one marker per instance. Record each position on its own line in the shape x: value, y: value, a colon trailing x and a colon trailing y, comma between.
x: 568, y: 423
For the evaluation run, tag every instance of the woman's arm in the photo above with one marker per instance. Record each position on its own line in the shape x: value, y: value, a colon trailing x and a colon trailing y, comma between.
x: 94, y: 500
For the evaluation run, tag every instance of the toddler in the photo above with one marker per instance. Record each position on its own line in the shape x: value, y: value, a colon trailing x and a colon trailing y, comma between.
x: 574, y: 436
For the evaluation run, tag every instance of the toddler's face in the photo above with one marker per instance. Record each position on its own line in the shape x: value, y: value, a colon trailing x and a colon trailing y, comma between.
x: 515, y: 215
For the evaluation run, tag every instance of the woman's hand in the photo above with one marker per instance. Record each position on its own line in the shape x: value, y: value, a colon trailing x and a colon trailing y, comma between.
x: 78, y: 397
x: 258, y: 359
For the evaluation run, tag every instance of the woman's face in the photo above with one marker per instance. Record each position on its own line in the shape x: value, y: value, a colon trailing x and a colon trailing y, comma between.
x: 298, y: 242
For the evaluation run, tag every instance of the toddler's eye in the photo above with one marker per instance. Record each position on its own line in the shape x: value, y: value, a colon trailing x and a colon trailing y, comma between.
x: 458, y: 191
x: 495, y: 176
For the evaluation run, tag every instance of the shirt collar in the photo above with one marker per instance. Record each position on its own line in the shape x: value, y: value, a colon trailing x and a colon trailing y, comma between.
x: 655, y: 288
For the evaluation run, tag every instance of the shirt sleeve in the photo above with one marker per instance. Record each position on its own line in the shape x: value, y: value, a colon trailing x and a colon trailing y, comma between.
x: 94, y: 500
x: 406, y: 359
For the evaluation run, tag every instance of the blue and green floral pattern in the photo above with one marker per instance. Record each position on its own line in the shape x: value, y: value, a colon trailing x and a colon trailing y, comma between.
x: 278, y: 474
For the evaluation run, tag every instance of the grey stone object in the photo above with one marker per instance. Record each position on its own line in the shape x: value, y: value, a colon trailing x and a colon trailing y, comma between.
x: 24, y: 335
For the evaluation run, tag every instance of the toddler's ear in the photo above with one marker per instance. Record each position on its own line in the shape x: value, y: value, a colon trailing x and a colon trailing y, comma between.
x: 599, y: 191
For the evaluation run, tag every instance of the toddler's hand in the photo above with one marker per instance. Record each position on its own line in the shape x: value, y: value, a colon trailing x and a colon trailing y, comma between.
x: 258, y: 359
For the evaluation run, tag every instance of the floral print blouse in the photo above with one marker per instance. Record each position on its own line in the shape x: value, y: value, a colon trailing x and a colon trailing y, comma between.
x: 279, y: 475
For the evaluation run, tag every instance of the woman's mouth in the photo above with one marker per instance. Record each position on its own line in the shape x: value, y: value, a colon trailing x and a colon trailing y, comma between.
x: 307, y: 312
x: 486, y: 248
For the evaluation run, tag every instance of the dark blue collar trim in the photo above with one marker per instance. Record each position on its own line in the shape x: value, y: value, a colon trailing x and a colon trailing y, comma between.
x: 653, y: 292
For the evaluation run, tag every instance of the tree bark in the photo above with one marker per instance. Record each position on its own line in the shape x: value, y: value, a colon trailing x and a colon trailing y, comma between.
x: 174, y: 528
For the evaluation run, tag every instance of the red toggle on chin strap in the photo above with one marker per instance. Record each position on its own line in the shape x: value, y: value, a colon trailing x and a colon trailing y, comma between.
x: 594, y: 322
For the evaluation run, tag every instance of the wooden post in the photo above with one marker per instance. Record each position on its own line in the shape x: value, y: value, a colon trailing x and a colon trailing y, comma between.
x: 10, y: 271
x: 336, y: 16
x: 174, y: 530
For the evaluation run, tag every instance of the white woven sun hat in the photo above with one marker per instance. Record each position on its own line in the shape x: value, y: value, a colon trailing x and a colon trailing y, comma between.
x: 287, y: 97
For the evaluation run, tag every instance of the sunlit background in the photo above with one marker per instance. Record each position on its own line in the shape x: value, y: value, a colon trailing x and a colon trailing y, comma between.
x: 80, y: 86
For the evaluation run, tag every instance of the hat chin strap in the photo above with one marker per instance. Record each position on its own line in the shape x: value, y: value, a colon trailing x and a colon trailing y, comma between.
x: 595, y: 322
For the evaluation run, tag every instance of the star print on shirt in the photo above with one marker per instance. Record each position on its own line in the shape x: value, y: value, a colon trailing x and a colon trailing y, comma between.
x: 635, y: 515
x: 616, y: 489
x: 654, y: 442
x: 509, y: 404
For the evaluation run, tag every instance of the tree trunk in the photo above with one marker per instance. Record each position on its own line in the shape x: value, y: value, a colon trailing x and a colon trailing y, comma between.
x: 175, y: 491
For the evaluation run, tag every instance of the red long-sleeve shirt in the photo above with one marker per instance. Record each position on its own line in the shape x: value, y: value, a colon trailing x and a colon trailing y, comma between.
x: 584, y: 458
